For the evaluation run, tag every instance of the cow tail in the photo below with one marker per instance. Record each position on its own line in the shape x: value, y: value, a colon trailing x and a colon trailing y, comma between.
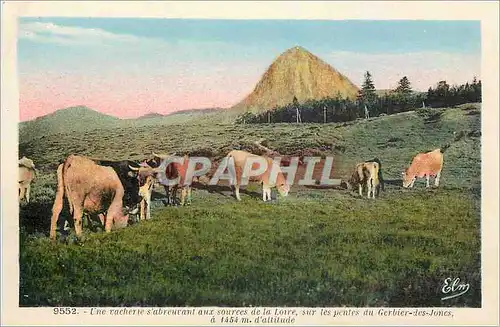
x: 60, y: 182
x: 67, y: 188
x: 58, y: 201
x: 375, y: 173
x: 360, y: 170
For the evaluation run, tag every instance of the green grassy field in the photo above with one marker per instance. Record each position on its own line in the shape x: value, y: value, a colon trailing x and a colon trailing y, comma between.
x: 317, y: 247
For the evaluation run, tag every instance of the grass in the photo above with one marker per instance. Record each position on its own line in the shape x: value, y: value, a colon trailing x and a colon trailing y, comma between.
x: 316, y: 247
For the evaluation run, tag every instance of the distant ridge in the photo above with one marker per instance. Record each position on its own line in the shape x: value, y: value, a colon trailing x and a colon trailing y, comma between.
x: 296, y: 73
x: 74, y: 112
x: 79, y: 118
x: 82, y: 119
x: 150, y: 115
x: 153, y: 115
x: 195, y: 111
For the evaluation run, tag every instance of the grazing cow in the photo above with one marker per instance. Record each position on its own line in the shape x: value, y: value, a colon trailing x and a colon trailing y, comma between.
x: 425, y: 165
x: 89, y: 188
x: 365, y: 174
x: 240, y: 157
x: 27, y: 173
x: 129, y: 179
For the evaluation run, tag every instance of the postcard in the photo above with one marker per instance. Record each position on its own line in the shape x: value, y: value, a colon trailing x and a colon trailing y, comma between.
x: 250, y: 163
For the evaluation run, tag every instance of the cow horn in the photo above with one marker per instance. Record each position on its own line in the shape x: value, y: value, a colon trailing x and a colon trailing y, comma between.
x: 163, y: 156
x: 133, y: 168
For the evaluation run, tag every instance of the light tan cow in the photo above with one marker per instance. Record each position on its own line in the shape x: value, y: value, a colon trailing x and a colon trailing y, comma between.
x: 89, y: 188
x: 240, y: 157
x: 27, y: 173
x: 425, y: 165
x: 366, y: 174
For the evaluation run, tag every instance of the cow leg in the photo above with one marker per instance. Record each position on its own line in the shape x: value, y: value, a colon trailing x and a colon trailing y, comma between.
x: 189, y: 195
x: 237, y: 192
x: 167, y: 192
x: 413, y: 182
x: 369, y: 188
x: 102, y: 218
x: 77, y: 218
x: 436, y: 180
x: 143, y: 204
x: 360, y: 189
x: 266, y: 193
x: 56, y: 210
x: 148, y: 204
x: 173, y: 194
x: 109, y: 222
x: 28, y: 189
x: 427, y: 177
x: 183, y: 195
x: 21, y: 193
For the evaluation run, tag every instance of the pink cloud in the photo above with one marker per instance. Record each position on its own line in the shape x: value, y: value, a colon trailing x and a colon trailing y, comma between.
x: 129, y: 96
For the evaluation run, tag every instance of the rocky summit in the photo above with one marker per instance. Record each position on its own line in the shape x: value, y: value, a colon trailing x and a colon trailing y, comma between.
x: 296, y: 73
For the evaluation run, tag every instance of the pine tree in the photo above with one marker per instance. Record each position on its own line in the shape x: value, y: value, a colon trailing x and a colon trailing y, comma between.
x: 404, y: 86
x: 367, y: 93
x: 476, y: 90
x: 402, y: 93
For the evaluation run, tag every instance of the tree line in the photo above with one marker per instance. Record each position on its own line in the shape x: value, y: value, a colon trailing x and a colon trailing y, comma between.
x: 368, y: 103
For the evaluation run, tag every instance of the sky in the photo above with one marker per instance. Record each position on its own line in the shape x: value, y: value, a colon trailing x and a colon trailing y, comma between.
x: 128, y: 67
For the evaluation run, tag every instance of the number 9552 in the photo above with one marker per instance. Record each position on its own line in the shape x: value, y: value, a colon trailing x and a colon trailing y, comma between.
x: 65, y: 311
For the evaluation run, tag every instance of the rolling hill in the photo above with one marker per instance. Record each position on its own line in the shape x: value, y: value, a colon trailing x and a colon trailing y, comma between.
x: 72, y: 119
x: 82, y: 118
x: 155, y: 115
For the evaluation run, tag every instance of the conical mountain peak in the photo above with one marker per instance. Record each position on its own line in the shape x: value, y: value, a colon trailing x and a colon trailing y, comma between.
x: 297, y: 73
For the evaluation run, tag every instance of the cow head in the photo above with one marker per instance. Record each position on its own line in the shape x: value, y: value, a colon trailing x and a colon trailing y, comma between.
x: 408, y: 178
x: 283, y: 188
x: 154, y: 162
x: 28, y: 163
x: 161, y: 157
x: 282, y: 185
x: 145, y: 174
x: 121, y: 221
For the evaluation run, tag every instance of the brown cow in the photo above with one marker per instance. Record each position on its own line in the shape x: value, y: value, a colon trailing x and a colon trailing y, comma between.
x: 89, y: 188
x: 240, y: 157
x: 170, y: 173
x: 27, y: 173
x: 366, y: 174
x: 425, y: 165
